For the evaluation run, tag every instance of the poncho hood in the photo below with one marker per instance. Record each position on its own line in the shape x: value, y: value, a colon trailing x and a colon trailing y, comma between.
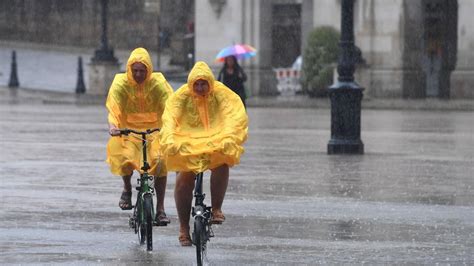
x: 200, y: 71
x: 139, y: 55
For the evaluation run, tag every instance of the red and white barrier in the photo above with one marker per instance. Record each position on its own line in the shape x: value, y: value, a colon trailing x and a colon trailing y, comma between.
x: 288, y: 80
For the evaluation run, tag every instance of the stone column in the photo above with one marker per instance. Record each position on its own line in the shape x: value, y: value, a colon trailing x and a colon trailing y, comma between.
x: 101, y: 75
x: 266, y: 76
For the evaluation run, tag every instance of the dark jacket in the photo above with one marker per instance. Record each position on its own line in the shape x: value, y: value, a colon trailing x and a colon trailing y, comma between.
x: 234, y: 81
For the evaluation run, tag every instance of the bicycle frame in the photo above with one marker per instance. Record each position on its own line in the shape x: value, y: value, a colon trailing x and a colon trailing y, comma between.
x: 143, y: 186
x: 143, y: 217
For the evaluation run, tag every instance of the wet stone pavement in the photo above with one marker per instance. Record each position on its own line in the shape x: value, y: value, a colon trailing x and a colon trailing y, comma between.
x: 407, y: 200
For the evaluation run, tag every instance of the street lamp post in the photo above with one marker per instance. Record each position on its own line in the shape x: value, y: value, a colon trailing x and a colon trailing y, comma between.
x: 104, y: 65
x: 346, y: 94
x: 104, y: 53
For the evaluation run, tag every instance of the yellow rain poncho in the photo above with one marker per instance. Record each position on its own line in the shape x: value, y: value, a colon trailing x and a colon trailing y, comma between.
x: 203, y: 132
x: 139, y: 107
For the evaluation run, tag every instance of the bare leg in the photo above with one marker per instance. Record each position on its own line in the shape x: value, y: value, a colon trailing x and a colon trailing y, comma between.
x: 125, y: 200
x: 127, y: 186
x: 219, y: 182
x: 160, y: 186
x: 183, y: 196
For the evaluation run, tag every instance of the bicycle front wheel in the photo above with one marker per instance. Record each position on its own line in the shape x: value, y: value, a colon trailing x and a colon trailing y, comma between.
x: 148, y: 225
x: 200, y: 240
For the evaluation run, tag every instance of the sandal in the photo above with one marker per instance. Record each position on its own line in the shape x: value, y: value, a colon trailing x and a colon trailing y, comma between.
x: 185, y: 239
x: 217, y: 217
x: 125, y: 202
x: 161, y: 219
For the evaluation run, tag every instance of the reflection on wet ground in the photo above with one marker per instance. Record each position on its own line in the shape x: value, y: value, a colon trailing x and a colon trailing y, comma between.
x: 408, y: 200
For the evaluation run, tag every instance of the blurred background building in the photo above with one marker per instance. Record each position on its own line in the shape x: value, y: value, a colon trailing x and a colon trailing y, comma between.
x: 411, y: 48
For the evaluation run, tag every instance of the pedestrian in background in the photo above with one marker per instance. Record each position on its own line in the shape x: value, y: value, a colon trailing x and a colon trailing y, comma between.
x: 233, y: 76
x: 136, y: 100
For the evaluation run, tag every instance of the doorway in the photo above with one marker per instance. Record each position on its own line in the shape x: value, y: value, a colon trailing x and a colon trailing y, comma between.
x: 439, y: 45
x: 286, y: 34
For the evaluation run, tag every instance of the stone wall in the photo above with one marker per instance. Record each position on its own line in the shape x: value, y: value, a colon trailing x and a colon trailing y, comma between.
x: 131, y: 23
x: 377, y: 34
x: 391, y: 36
x: 78, y: 23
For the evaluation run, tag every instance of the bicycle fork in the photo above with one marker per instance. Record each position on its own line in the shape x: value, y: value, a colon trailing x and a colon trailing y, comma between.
x: 200, y: 210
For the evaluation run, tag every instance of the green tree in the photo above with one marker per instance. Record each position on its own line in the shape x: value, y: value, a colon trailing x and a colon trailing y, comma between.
x: 319, y: 60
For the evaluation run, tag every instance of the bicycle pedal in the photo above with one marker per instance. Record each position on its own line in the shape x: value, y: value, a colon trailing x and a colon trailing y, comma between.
x: 131, y: 223
x: 210, y: 232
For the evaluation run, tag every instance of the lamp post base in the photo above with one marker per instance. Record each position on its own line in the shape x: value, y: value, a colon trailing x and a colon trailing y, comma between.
x: 104, y: 55
x: 345, y: 118
x: 101, y: 75
x: 343, y: 146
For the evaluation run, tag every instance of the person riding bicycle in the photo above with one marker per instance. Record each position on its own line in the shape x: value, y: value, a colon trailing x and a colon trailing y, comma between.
x: 204, y: 127
x: 136, y: 100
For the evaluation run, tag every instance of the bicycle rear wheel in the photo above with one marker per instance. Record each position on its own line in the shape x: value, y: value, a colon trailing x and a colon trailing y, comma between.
x: 200, y: 239
x: 147, y: 228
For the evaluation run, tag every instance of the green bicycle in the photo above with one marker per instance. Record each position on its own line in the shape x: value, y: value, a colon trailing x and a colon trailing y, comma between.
x: 142, y: 219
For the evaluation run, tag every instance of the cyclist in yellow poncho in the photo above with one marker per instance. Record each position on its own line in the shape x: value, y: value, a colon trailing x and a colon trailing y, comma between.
x: 136, y: 100
x: 204, y: 127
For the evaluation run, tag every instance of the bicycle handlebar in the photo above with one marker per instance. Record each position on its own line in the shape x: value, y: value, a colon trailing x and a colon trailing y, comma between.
x: 126, y: 131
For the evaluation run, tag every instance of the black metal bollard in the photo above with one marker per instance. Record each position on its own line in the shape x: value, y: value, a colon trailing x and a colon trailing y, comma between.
x: 80, y: 86
x: 13, y: 83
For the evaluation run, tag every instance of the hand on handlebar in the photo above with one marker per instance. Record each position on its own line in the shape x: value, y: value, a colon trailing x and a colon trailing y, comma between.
x: 173, y: 149
x: 228, y: 146
x: 113, y: 130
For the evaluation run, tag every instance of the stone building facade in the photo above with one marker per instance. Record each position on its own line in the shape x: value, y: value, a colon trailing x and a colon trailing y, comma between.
x: 412, y: 48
